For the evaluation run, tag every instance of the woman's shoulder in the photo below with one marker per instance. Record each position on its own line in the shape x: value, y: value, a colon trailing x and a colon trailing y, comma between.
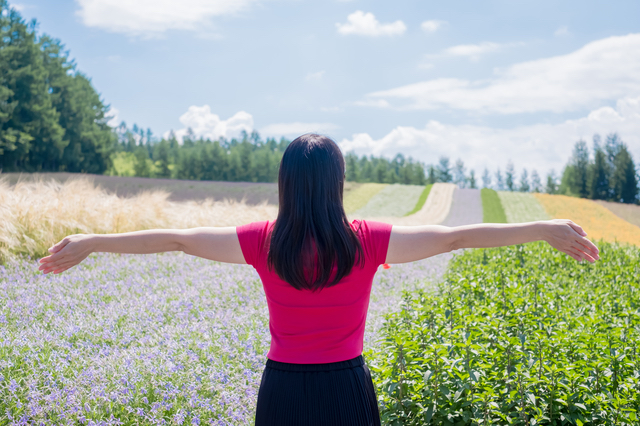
x: 365, y: 226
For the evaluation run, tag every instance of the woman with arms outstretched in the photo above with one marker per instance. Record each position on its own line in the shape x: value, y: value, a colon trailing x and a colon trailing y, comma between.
x: 317, y: 270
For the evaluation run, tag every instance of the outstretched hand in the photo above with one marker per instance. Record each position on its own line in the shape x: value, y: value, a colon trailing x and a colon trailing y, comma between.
x: 65, y: 254
x: 570, y: 238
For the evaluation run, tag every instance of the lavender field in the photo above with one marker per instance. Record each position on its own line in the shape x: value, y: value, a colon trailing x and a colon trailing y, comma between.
x: 164, y: 339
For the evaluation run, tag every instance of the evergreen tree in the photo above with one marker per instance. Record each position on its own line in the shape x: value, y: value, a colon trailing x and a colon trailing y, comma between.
x: 459, y: 177
x: 444, y: 170
x: 552, y: 183
x: 351, y: 165
x: 536, y: 184
x: 625, y: 177
x: 499, y: 180
x: 472, y: 179
x: 432, y: 175
x: 524, y: 181
x: 599, y: 172
x: 486, y: 178
x: 141, y: 166
x: 161, y: 156
x: 31, y: 138
x: 577, y: 177
x: 51, y: 118
x: 510, y: 176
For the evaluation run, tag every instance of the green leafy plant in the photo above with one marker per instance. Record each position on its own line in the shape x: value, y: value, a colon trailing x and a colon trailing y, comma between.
x: 521, y: 335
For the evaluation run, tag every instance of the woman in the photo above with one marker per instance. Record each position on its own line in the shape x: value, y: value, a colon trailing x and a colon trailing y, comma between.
x: 317, y: 270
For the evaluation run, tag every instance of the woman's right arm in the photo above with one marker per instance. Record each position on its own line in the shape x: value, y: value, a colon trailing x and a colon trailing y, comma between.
x: 220, y: 244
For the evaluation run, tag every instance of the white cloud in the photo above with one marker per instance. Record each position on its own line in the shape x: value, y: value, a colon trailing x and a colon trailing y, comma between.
x: 378, y: 103
x: 432, y: 26
x: 562, y: 31
x: 153, y: 17
x: 207, y: 125
x: 473, y: 51
x: 114, y: 117
x: 603, y: 70
x: 366, y: 24
x: 315, y: 76
x: 296, y: 129
x: 539, y: 146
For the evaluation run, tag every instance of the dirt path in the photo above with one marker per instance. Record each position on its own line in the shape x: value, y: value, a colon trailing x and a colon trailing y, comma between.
x: 466, y: 208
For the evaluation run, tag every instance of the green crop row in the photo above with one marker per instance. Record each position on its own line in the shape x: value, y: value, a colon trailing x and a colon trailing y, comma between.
x: 421, y: 200
x: 521, y: 335
x: 492, y: 211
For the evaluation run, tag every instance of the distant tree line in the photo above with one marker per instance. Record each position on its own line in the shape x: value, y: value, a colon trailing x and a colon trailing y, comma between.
x: 608, y: 174
x: 244, y: 159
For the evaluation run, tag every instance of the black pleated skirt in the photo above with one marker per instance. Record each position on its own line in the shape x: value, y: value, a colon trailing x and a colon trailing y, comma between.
x: 333, y: 394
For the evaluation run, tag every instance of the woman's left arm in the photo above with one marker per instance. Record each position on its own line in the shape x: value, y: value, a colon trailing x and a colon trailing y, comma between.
x: 219, y: 244
x: 410, y: 243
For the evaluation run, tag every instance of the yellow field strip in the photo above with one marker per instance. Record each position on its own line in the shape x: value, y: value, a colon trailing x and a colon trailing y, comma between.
x: 435, y: 209
x: 596, y: 220
x: 359, y: 197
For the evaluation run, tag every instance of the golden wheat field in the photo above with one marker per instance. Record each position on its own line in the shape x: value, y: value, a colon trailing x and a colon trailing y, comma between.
x: 35, y: 215
x: 595, y: 219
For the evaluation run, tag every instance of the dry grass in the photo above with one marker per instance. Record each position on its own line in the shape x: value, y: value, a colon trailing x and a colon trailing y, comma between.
x: 596, y: 220
x: 36, y: 214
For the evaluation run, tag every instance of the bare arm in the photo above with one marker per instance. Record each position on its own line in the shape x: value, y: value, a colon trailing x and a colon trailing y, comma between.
x: 410, y: 243
x: 220, y: 244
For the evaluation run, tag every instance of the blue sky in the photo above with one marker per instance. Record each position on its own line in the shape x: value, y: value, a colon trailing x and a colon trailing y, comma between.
x: 486, y: 81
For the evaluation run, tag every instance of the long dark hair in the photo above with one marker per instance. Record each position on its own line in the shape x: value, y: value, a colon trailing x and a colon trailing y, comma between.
x: 312, y: 234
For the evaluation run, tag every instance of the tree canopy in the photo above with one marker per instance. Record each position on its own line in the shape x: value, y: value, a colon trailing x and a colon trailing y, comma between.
x: 51, y: 117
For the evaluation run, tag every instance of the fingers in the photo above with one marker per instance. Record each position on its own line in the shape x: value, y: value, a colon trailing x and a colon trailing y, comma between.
x: 59, y: 246
x: 577, y: 228
x: 56, y: 268
x: 579, y: 255
x: 588, y: 247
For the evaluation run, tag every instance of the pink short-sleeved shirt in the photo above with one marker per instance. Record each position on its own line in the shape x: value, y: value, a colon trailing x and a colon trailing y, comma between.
x: 325, y: 326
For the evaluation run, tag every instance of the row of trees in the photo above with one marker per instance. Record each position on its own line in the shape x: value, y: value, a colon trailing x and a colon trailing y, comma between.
x: 51, y: 118
x: 248, y: 159
x: 609, y: 174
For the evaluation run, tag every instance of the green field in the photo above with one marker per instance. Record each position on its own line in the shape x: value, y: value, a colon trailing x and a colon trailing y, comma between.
x: 492, y: 211
x: 522, y: 207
